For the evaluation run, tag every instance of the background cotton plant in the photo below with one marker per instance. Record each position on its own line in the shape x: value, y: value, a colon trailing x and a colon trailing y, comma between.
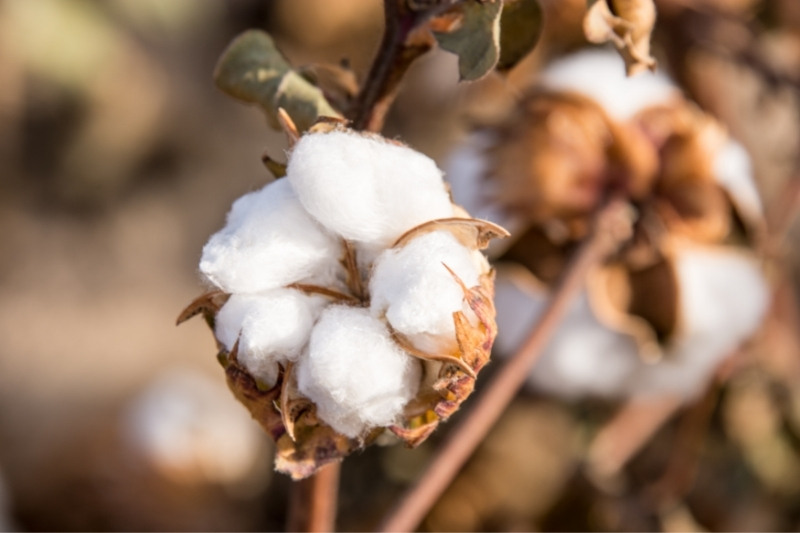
x: 684, y: 291
x: 346, y: 290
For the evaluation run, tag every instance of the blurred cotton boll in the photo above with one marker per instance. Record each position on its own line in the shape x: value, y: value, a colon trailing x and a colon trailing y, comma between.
x: 683, y: 292
x: 187, y: 426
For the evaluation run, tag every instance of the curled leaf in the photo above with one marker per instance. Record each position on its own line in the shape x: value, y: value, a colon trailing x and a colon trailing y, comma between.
x: 520, y: 28
x: 252, y: 69
x: 628, y: 24
x: 472, y: 33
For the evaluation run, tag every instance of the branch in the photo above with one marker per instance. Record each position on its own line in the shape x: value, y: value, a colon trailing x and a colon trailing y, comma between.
x: 312, y: 501
x: 399, y: 48
x: 611, y: 226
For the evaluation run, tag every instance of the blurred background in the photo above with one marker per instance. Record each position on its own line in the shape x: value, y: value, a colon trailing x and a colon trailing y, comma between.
x: 119, y: 158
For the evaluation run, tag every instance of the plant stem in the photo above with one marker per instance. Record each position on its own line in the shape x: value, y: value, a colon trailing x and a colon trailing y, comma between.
x: 396, y: 53
x: 312, y: 501
x: 468, y: 435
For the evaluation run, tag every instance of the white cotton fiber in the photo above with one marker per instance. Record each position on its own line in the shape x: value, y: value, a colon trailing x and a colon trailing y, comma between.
x: 723, y: 298
x: 416, y: 293
x: 600, y: 75
x: 271, y: 327
x: 734, y: 171
x: 269, y: 241
x: 355, y: 374
x: 583, y: 357
x: 364, y: 188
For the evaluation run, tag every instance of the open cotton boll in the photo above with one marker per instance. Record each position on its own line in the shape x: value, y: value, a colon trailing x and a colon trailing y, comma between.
x: 365, y: 188
x: 355, y: 373
x: 723, y: 298
x: 271, y: 327
x: 417, y: 294
x: 600, y: 75
x: 269, y: 241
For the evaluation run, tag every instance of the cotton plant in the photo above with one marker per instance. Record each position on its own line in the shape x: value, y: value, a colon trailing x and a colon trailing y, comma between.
x: 682, y: 293
x: 349, y: 297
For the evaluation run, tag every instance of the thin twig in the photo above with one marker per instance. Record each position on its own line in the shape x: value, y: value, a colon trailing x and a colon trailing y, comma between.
x: 312, y: 501
x: 684, y: 460
x: 626, y: 434
x: 499, y: 393
x: 399, y: 47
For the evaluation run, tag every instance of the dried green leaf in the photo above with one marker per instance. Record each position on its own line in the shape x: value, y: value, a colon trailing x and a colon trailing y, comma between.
x: 520, y: 28
x: 252, y: 69
x: 474, y: 36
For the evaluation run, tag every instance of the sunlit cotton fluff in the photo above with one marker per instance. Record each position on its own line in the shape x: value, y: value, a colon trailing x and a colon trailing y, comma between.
x: 600, y: 75
x: 271, y: 328
x: 355, y: 373
x: 269, y: 241
x: 404, y: 280
x: 583, y: 357
x: 365, y: 188
x: 722, y: 301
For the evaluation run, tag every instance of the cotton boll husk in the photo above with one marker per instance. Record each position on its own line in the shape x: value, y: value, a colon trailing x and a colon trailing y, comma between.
x: 355, y: 373
x: 600, y: 75
x: 272, y: 327
x: 723, y: 299
x: 582, y: 358
x: 734, y: 171
x: 417, y: 294
x: 269, y: 241
x: 365, y: 188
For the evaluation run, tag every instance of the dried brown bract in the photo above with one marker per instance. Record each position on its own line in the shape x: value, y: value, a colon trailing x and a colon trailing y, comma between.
x: 628, y: 24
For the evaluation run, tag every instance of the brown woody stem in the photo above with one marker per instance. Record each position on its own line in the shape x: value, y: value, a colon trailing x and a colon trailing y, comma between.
x: 395, y: 55
x: 503, y: 388
x: 312, y: 501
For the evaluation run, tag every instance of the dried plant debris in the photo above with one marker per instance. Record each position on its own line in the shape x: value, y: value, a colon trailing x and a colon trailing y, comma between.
x: 683, y: 291
x: 351, y: 297
x: 628, y: 24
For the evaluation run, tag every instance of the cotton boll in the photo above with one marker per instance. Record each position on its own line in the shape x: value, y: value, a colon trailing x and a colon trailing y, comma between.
x: 365, y: 188
x: 417, y: 294
x: 269, y: 241
x: 723, y: 298
x: 734, y: 171
x: 600, y: 75
x: 271, y: 327
x: 355, y: 373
